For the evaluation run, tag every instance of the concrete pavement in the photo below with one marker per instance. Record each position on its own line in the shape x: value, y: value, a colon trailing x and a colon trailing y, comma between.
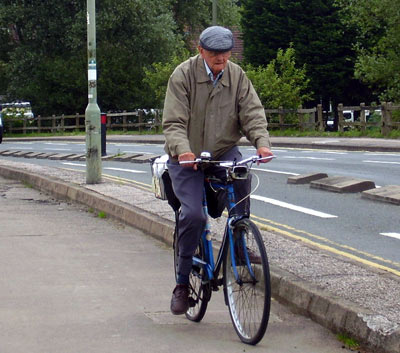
x: 73, y: 282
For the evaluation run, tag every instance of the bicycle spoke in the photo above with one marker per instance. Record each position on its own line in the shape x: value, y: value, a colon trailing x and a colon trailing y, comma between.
x: 199, y: 292
x: 248, y: 294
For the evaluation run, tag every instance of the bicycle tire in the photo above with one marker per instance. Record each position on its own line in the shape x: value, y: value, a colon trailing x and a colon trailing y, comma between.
x: 249, y: 297
x: 199, y: 292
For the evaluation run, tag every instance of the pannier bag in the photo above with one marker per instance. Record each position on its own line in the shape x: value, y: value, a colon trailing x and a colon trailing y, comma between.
x: 161, y: 182
x: 216, y: 201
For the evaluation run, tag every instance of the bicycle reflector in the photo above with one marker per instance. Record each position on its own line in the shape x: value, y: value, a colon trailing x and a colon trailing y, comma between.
x: 239, y: 172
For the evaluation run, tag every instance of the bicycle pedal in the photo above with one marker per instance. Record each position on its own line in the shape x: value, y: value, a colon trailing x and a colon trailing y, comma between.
x: 192, y: 302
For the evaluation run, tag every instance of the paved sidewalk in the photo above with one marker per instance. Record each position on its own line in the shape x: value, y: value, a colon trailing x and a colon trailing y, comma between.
x: 75, y: 283
x: 339, y: 294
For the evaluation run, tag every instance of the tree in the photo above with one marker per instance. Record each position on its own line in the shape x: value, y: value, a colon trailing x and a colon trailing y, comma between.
x: 46, y: 51
x: 193, y: 16
x: 43, y: 56
x: 132, y: 35
x: 378, y: 44
x: 37, y: 44
x: 280, y: 83
x: 319, y: 38
x: 157, y: 75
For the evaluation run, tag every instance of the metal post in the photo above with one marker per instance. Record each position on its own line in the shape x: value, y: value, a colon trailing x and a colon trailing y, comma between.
x: 103, y: 134
x: 341, y: 118
x: 92, y: 113
x: 214, y: 13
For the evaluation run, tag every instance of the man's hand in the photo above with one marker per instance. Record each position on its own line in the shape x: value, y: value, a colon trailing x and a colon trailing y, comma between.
x: 188, y: 156
x: 264, y: 152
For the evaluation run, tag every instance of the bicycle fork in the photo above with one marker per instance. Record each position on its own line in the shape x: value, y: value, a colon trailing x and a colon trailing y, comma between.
x: 237, y: 246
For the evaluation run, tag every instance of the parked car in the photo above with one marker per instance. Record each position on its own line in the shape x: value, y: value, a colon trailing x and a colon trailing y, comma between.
x: 348, y: 116
x: 17, y: 110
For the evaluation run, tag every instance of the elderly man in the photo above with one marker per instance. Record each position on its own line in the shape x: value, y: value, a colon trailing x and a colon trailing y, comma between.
x: 210, y: 103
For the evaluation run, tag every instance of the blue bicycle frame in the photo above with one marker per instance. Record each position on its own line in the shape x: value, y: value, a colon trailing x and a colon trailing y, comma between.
x: 212, y: 269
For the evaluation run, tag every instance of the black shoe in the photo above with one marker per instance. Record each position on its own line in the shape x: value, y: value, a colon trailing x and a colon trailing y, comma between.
x: 180, y: 299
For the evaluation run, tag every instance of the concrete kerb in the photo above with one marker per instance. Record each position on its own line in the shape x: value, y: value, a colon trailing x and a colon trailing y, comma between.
x: 332, y: 312
x: 305, y: 298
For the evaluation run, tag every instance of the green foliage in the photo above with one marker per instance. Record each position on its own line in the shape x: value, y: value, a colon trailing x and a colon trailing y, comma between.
x: 35, y: 37
x: 43, y: 56
x: 348, y: 341
x: 265, y: 30
x: 46, y: 61
x: 3, y: 77
x: 157, y: 75
x: 228, y: 13
x: 280, y: 83
x: 102, y: 214
x: 320, y: 40
x: 193, y: 16
x: 378, y: 44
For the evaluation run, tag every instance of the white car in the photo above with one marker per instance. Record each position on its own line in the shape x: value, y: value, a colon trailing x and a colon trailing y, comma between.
x: 17, y: 110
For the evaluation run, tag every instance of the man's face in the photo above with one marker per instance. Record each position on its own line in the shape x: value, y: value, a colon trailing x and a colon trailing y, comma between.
x: 216, y: 61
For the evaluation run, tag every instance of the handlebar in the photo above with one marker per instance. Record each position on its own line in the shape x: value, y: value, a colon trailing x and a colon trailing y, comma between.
x: 234, y: 169
x: 228, y: 164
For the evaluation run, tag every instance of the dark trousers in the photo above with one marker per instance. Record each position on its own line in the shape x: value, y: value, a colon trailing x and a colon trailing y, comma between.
x: 188, y: 186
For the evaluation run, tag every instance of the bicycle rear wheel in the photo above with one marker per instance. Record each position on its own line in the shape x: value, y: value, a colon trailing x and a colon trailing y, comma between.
x: 248, y: 291
x: 199, y: 292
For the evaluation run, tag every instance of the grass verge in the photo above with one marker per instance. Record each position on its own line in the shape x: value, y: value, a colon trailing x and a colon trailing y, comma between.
x: 349, y: 342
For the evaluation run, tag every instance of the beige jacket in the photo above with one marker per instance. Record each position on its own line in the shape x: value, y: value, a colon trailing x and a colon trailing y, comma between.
x: 198, y: 117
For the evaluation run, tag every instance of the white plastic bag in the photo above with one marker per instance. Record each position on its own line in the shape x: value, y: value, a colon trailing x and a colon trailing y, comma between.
x: 159, y: 165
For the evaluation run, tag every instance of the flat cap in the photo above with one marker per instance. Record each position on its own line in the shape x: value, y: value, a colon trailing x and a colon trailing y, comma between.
x: 216, y: 38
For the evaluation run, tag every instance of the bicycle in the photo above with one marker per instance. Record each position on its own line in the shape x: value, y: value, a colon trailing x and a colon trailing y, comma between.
x: 242, y: 256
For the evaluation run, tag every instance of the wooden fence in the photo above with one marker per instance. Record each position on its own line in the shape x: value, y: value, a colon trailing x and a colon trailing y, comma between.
x: 313, y: 119
x: 303, y: 119
x: 369, y: 117
x: 140, y: 120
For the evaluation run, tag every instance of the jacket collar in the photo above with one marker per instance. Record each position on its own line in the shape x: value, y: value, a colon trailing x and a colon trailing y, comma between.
x: 202, y: 72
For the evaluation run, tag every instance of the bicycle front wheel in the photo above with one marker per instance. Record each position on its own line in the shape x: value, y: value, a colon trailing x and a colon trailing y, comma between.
x: 247, y: 282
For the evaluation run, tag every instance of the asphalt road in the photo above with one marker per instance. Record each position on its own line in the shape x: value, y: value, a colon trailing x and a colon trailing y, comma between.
x: 344, y: 222
x: 73, y: 282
